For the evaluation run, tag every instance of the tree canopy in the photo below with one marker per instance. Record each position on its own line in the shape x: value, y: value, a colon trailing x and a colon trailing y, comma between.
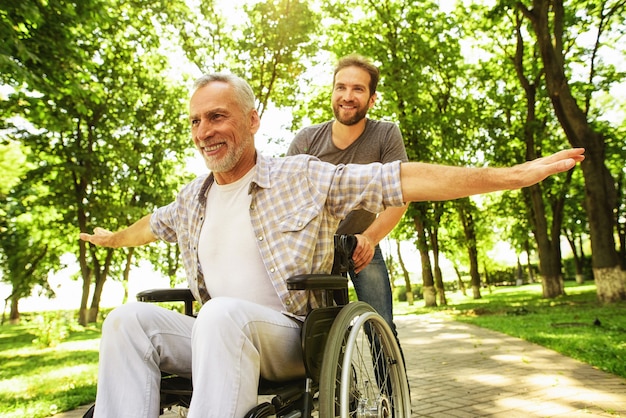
x: 93, y: 119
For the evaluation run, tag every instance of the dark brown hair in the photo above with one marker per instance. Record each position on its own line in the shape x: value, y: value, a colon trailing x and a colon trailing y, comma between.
x: 355, y: 60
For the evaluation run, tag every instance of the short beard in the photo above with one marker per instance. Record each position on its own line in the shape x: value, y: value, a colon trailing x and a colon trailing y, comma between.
x: 358, y: 116
x: 229, y: 161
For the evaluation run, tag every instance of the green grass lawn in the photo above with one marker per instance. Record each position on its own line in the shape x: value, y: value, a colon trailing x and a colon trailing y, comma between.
x: 575, y: 325
x: 38, y: 382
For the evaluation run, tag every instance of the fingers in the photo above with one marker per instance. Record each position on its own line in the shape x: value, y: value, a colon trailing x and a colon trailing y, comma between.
x: 98, y: 236
x: 566, y: 159
x: 537, y: 170
x: 363, y: 253
x: 84, y: 236
x: 576, y: 153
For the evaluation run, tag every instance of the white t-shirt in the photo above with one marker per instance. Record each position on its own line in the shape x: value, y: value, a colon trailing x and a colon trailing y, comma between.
x: 227, y: 250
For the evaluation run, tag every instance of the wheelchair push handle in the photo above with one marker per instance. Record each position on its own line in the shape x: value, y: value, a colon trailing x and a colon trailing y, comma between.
x: 337, y: 279
x: 344, y: 249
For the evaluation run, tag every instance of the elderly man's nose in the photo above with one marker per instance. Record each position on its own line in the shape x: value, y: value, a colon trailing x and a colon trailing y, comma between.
x: 204, y: 130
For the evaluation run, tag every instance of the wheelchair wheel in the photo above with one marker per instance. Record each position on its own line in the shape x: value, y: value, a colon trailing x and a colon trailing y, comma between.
x: 363, y: 373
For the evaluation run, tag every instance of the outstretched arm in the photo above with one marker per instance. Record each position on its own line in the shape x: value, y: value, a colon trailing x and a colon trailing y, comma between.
x: 423, y: 182
x: 135, y: 235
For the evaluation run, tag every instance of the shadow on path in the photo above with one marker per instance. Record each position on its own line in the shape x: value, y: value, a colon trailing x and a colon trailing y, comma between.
x: 460, y: 370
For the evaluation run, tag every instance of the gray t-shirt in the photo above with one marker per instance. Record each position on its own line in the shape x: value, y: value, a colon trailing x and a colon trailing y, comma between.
x: 380, y: 142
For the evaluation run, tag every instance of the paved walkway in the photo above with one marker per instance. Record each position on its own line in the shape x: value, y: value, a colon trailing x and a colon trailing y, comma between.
x: 458, y: 370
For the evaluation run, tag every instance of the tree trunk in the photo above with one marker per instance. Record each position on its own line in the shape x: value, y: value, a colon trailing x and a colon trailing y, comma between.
x: 86, y: 272
x: 552, y: 286
x: 126, y: 274
x: 439, y: 286
x: 101, y: 272
x: 612, y: 284
x: 407, y: 278
x: 578, y: 256
x: 460, y: 280
x: 488, y: 282
x: 474, y: 273
x: 174, y: 259
x: 430, y: 293
x: 94, y: 309
x: 14, y: 314
x: 430, y: 296
x: 620, y: 219
x: 467, y: 220
x: 519, y: 273
x: 529, y: 266
x: 548, y: 247
x: 600, y: 193
x: 434, y: 245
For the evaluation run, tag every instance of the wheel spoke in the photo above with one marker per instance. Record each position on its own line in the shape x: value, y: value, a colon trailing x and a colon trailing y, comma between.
x: 363, y: 373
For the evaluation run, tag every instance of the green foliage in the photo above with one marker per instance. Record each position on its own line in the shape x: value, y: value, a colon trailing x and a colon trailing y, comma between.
x: 44, y: 40
x: 31, y: 246
x: 51, y: 328
x: 420, y: 63
x: 98, y: 108
x: 105, y: 128
x: 268, y: 44
x: 399, y: 292
x: 278, y: 38
x: 505, y: 276
x: 569, y: 268
x: 12, y: 166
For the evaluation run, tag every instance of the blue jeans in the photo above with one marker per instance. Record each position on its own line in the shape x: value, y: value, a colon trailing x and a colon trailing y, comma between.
x: 372, y: 286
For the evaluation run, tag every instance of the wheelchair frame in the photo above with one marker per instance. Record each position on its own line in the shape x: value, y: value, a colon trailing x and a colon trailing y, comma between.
x: 354, y: 367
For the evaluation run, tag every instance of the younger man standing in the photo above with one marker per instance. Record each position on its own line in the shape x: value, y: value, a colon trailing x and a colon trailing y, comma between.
x: 352, y: 138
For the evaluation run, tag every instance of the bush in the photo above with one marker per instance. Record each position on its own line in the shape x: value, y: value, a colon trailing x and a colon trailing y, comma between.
x: 51, y: 328
x: 569, y: 268
x: 399, y: 293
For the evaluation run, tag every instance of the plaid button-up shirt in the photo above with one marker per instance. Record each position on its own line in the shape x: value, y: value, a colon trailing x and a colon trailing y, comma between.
x: 297, y: 203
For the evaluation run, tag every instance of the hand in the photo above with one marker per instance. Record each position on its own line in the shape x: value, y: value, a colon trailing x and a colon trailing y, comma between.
x: 363, y: 253
x: 100, y: 237
x: 532, y: 172
x: 135, y: 235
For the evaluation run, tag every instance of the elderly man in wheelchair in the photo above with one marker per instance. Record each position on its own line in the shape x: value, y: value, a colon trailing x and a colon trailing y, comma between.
x: 334, y: 337
x: 243, y: 230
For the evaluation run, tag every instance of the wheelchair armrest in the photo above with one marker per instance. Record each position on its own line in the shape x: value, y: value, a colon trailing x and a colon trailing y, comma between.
x: 165, y: 295
x: 169, y: 295
x: 317, y: 282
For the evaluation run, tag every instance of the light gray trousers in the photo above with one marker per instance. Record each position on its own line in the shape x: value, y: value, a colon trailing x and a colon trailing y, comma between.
x: 225, y: 349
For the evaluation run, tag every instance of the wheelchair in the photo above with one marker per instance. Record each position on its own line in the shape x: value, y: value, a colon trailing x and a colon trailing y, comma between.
x: 354, y: 366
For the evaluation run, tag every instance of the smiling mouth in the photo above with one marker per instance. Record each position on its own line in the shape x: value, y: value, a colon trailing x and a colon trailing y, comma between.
x: 348, y: 107
x: 208, y: 149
